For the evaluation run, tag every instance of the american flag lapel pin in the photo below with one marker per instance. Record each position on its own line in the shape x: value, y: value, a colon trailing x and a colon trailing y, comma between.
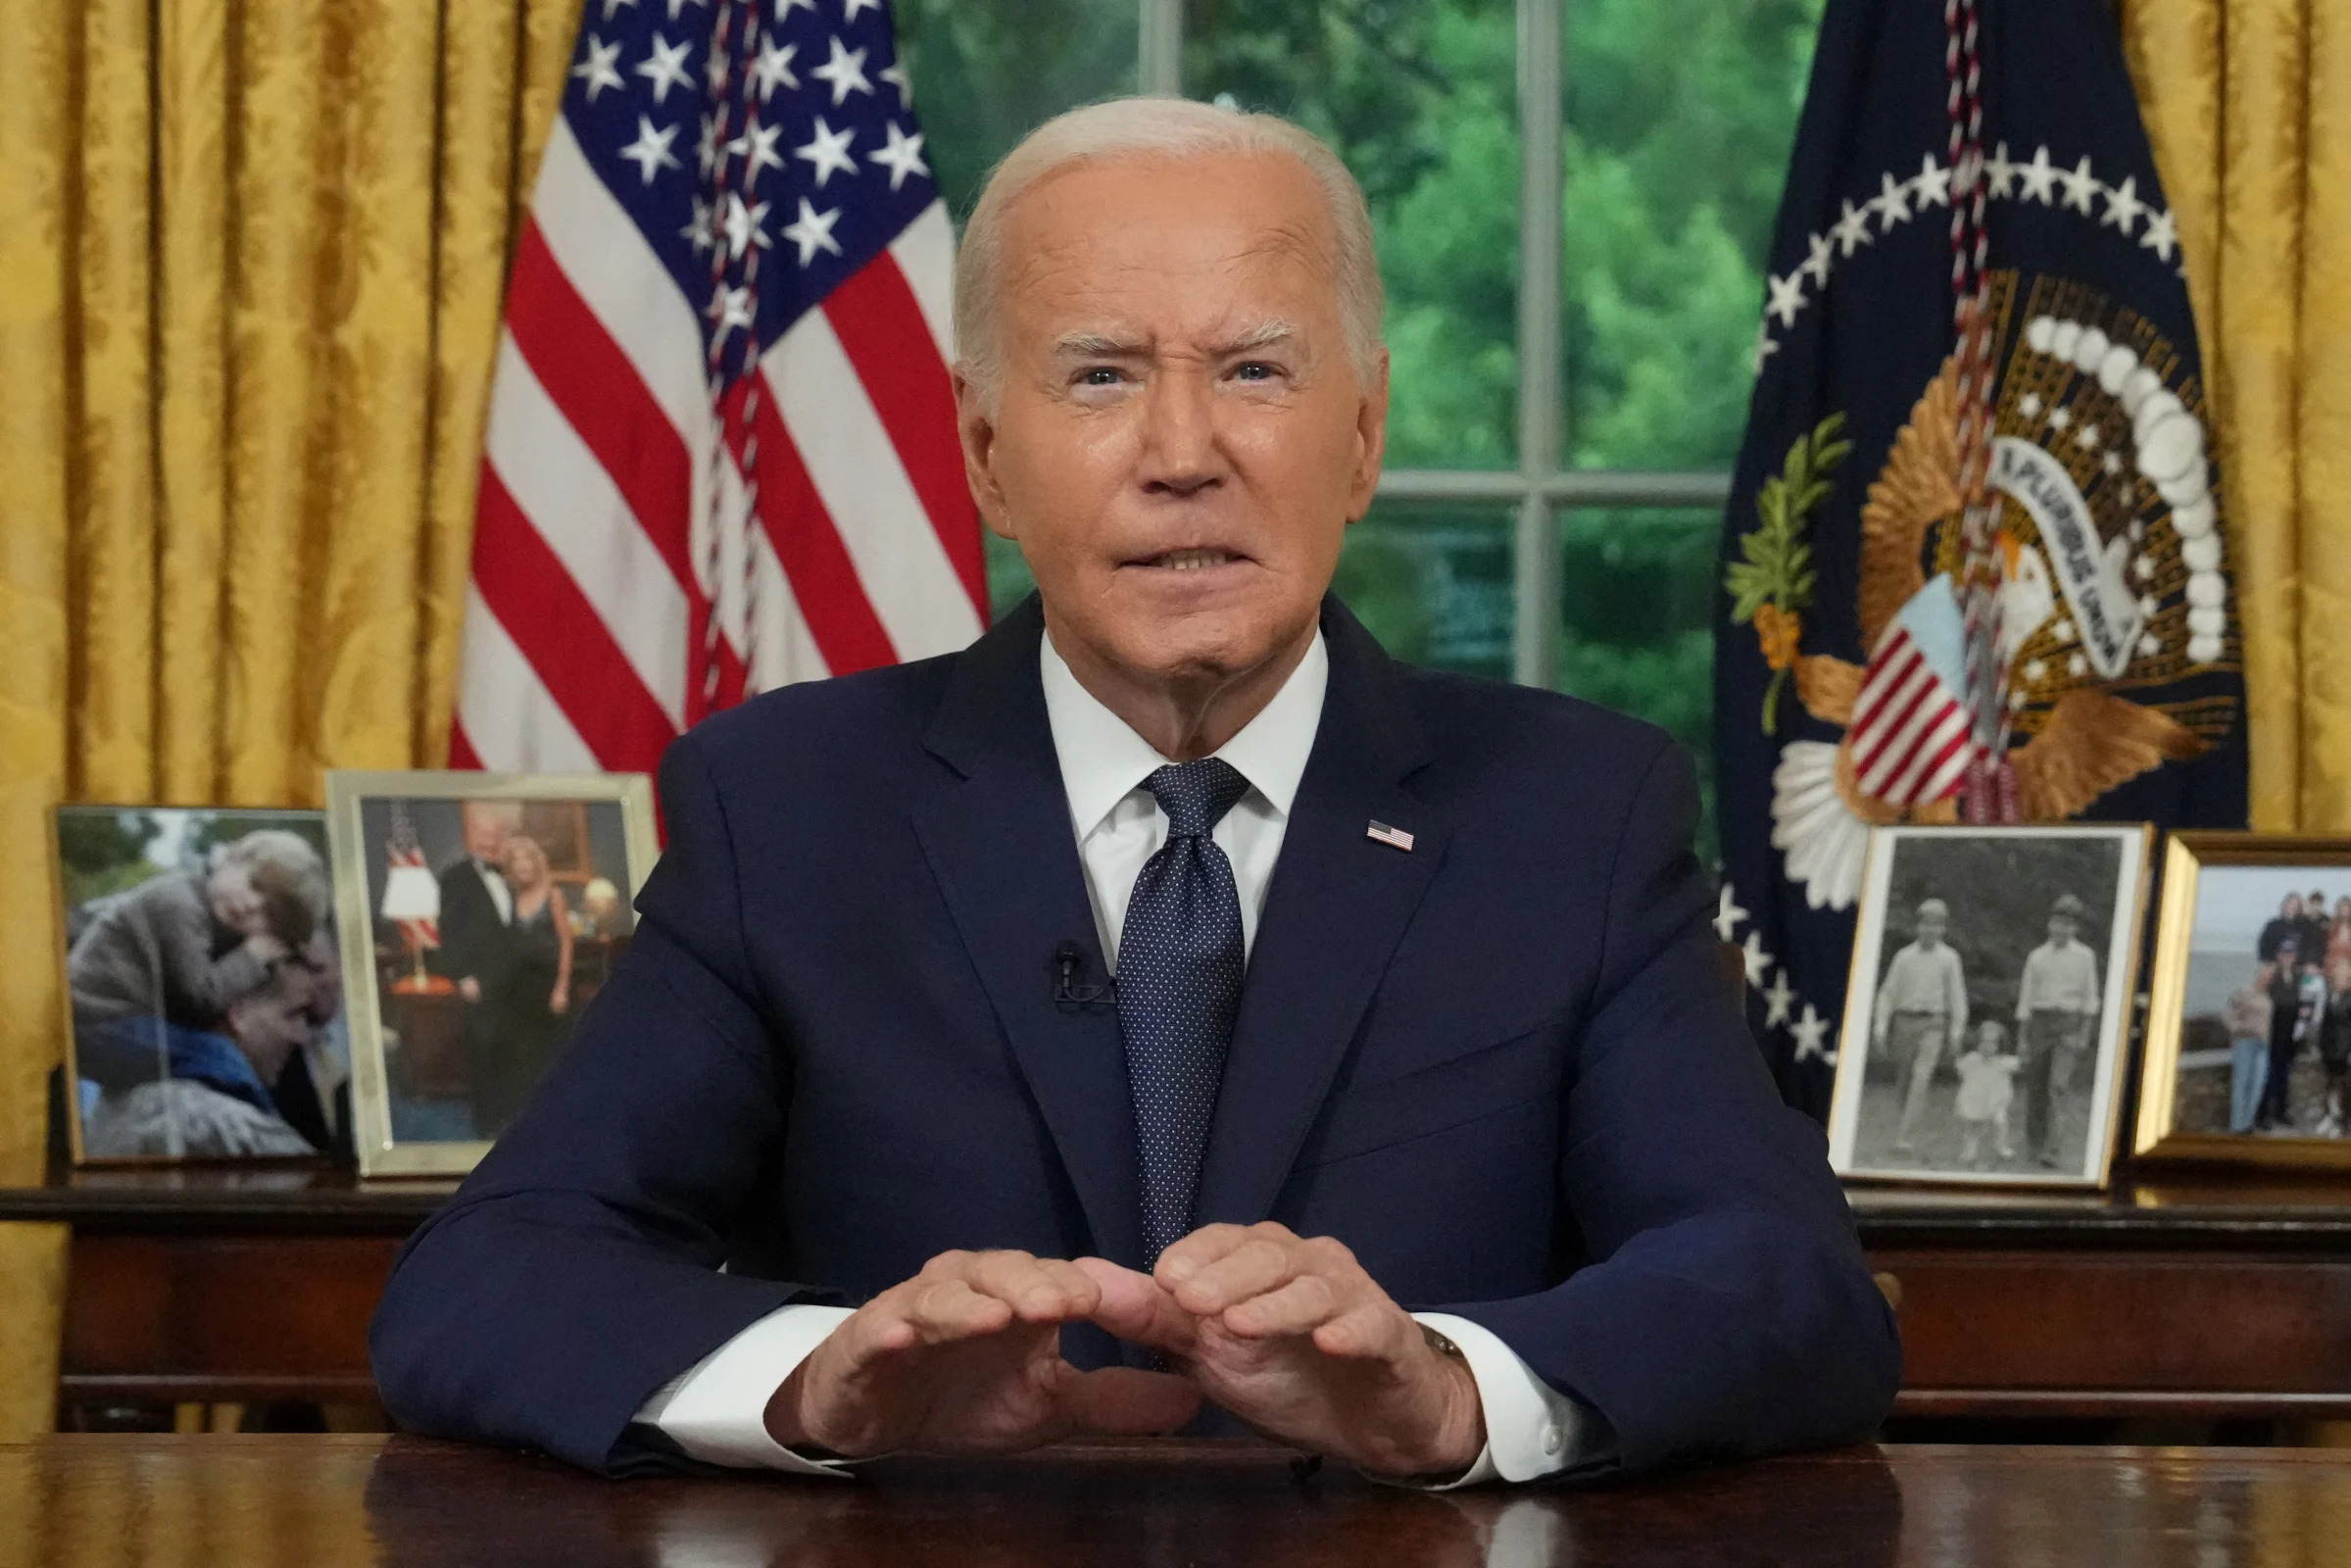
x: 1395, y: 838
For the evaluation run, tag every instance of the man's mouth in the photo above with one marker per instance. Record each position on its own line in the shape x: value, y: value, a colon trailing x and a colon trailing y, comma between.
x: 1190, y: 560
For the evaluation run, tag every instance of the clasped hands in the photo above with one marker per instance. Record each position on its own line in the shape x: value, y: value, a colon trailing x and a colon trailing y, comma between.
x: 1286, y: 1332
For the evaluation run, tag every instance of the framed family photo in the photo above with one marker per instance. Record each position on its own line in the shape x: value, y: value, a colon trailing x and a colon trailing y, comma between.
x: 2249, y: 1012
x: 485, y: 911
x: 203, y: 994
x: 1990, y: 1004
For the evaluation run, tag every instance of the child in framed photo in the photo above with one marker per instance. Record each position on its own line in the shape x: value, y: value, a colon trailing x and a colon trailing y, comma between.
x: 1987, y: 1010
x: 2249, y: 1015
x: 497, y: 913
x: 203, y: 991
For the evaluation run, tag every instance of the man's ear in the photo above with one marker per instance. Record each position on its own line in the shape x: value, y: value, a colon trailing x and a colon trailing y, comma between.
x: 976, y: 429
x: 1371, y: 442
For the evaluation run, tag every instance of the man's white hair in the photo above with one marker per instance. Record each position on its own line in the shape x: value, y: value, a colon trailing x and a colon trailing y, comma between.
x: 1156, y: 128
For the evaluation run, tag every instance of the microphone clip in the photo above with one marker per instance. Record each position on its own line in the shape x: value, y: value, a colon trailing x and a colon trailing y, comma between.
x: 1071, y: 993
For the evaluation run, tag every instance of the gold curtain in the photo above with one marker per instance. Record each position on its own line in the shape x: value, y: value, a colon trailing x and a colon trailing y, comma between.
x: 2248, y: 104
x: 251, y: 261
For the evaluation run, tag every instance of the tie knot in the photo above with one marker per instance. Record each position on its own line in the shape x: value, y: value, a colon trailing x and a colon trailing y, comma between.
x: 1196, y: 795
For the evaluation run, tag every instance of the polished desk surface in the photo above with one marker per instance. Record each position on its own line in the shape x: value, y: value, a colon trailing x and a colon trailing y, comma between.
x: 327, y: 1502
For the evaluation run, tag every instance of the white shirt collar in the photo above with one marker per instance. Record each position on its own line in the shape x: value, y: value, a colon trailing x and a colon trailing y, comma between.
x: 1104, y: 760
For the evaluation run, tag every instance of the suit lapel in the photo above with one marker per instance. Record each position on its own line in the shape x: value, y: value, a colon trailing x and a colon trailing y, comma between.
x: 1001, y: 846
x: 1339, y: 904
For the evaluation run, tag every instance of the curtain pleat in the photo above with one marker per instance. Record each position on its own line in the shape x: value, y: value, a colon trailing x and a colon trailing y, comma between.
x: 252, y: 255
x: 2244, y: 101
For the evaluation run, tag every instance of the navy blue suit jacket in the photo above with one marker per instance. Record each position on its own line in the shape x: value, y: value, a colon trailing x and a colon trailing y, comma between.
x: 1503, y: 1067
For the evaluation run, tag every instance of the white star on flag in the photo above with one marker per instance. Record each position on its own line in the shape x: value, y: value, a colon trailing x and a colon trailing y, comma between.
x: 1758, y: 961
x: 2079, y: 185
x: 856, y: 8
x: 2040, y: 180
x: 675, y: 6
x: 1892, y: 201
x: 1822, y: 255
x: 665, y: 67
x: 597, y: 69
x: 1933, y: 182
x: 785, y: 7
x: 1808, y: 1031
x: 895, y: 77
x: 813, y: 231
x: 828, y: 152
x: 903, y: 157
x: 2123, y: 205
x: 758, y: 143
x: 650, y: 152
x: 1777, y: 999
x: 2162, y: 234
x: 732, y: 307
x: 698, y: 228
x: 1852, y: 230
x: 1788, y: 297
x: 610, y: 6
x: 774, y: 68
x: 1727, y: 914
x: 2002, y: 172
x: 845, y: 70
x: 744, y: 226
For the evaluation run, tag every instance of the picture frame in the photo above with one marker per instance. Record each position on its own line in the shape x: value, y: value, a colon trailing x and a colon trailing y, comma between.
x: 482, y: 942
x: 199, y: 984
x: 1983, y: 1045
x: 2205, y: 1089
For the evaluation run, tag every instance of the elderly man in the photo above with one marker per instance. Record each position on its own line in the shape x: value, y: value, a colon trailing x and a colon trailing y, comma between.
x: 1416, y: 1002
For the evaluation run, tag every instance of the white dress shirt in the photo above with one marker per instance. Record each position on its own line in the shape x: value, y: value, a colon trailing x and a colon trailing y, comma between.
x: 717, y: 1410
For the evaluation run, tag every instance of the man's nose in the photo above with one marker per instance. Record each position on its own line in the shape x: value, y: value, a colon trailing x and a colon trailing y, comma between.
x: 1180, y: 453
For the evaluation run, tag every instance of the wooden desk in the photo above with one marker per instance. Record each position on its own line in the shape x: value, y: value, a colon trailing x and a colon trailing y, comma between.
x: 342, y: 1503
x: 2201, y: 1299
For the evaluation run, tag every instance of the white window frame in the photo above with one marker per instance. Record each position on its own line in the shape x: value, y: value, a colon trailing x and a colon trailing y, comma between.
x: 1539, y: 488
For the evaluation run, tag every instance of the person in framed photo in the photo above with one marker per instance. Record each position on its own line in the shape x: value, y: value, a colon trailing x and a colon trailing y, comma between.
x: 2057, y: 1014
x: 2339, y: 935
x: 1922, y: 1003
x: 1986, y: 1089
x: 2248, y: 1021
x: 2314, y: 929
x: 2285, y: 927
x: 2334, y: 1045
x: 477, y: 905
x: 527, y: 1014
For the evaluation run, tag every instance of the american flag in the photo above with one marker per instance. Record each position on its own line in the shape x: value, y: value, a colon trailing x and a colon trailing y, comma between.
x: 1912, y: 721
x: 722, y: 451
x: 401, y: 849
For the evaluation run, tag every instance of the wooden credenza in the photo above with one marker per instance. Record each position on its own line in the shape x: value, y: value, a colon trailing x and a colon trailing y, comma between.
x: 2202, y: 1296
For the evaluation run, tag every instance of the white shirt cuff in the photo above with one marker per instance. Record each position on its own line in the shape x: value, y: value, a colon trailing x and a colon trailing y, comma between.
x: 717, y: 1410
x: 1532, y: 1429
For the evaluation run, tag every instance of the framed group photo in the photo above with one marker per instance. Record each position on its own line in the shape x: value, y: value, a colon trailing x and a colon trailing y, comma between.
x: 2249, y: 1012
x: 204, y: 1014
x: 485, y: 911
x: 1989, y: 1005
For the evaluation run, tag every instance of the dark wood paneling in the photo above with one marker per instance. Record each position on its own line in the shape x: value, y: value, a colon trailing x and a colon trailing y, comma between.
x: 224, y: 1317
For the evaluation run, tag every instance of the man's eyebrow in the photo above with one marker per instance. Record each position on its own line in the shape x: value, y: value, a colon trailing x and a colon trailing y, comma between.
x: 1098, y: 346
x: 1265, y: 335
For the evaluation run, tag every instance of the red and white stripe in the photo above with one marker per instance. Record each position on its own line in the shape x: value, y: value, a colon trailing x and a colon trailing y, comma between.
x: 593, y: 580
x: 1910, y: 735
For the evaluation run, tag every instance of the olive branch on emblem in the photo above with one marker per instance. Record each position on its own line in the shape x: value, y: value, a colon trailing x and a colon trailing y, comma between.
x: 1772, y: 586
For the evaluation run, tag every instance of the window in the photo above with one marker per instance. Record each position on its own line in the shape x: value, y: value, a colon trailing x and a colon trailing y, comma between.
x: 1573, y: 201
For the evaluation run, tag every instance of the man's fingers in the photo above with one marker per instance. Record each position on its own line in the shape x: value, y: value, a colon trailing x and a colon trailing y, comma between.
x: 1260, y: 1265
x: 1040, y: 1290
x: 947, y: 1311
x: 1368, y: 1332
x: 1298, y: 1307
x: 1124, y: 1401
x: 1199, y: 1249
x: 1135, y: 1307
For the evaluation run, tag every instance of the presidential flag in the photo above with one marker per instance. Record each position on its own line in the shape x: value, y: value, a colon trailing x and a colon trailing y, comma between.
x: 1974, y: 567
x: 722, y: 451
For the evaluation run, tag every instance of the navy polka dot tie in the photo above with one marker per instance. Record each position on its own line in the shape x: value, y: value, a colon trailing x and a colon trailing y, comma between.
x: 1180, y: 962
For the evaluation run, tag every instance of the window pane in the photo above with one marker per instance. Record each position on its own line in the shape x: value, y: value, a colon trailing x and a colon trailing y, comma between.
x: 985, y: 74
x: 1680, y: 117
x: 1419, y: 97
x: 1432, y: 585
x: 1637, y: 632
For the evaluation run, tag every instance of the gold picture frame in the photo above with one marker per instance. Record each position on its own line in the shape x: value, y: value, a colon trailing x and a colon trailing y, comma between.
x: 2174, y: 1119
x: 2004, y: 881
x: 420, y: 1111
x: 123, y: 860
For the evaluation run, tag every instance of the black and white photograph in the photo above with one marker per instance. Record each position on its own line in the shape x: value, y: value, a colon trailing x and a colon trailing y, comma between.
x: 497, y: 908
x: 1988, y: 1004
x: 2249, y: 1025
x: 204, y: 998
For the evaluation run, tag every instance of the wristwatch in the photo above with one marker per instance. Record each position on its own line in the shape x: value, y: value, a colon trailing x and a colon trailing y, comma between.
x: 1445, y: 1347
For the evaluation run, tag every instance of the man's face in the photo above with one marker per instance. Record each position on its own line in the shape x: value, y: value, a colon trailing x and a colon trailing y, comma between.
x: 2061, y: 928
x: 485, y: 832
x: 1931, y: 931
x: 1180, y: 440
x: 270, y: 1027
